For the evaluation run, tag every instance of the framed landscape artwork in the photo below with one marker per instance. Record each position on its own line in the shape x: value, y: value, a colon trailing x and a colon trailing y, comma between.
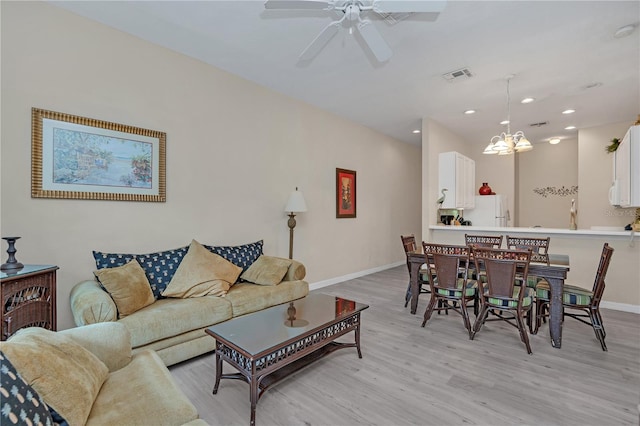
x: 85, y: 158
x: 345, y: 193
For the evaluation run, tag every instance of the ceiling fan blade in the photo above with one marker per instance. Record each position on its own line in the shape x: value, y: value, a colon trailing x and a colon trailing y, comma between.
x: 374, y: 40
x: 408, y: 6
x: 320, y: 41
x: 298, y: 4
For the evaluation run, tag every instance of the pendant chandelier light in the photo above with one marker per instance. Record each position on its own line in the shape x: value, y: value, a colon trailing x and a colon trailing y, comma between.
x: 506, y: 143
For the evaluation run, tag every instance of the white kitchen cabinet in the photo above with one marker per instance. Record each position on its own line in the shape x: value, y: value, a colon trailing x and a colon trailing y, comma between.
x: 457, y: 174
x: 625, y: 191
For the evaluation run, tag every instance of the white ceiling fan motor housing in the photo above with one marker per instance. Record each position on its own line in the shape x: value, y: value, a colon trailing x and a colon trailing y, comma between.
x: 352, y: 12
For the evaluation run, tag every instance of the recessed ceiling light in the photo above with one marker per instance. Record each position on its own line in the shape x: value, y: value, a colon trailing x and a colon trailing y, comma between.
x: 416, y: 131
x: 624, y: 31
x: 503, y: 122
x: 554, y: 141
x: 527, y: 100
x: 470, y: 111
x: 570, y: 127
x: 568, y: 111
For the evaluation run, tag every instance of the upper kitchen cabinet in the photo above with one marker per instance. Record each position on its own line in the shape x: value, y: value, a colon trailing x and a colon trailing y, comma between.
x: 625, y: 191
x: 457, y: 174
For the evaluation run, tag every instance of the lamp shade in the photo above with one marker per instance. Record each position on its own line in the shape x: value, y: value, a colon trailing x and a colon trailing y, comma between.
x: 296, y: 203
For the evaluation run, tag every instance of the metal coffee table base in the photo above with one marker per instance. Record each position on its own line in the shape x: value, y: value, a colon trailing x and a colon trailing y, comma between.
x: 267, y: 368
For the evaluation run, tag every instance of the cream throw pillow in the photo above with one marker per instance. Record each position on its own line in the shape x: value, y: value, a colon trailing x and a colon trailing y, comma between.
x: 128, y: 286
x: 202, y: 273
x: 267, y: 270
x: 67, y: 376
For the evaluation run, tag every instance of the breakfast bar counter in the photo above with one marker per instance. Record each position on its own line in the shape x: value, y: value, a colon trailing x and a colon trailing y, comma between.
x: 598, y: 231
x: 583, y: 246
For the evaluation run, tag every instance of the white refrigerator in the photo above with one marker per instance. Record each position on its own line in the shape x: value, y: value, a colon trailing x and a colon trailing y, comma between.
x: 489, y: 210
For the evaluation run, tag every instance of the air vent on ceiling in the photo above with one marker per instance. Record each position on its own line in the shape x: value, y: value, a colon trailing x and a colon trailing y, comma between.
x: 394, y: 18
x: 540, y: 124
x: 458, y: 75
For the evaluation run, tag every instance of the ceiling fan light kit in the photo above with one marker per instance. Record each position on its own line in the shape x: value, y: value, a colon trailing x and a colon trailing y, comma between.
x: 353, y: 11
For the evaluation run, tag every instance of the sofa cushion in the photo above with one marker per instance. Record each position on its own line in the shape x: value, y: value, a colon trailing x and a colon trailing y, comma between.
x: 242, y: 256
x: 267, y: 270
x: 171, y: 317
x: 142, y: 393
x: 159, y: 266
x: 202, y: 273
x: 20, y: 402
x: 50, y: 362
x: 246, y: 298
x: 128, y: 287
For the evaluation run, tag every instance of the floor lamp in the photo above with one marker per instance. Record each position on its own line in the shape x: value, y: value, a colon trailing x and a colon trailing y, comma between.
x: 295, y: 204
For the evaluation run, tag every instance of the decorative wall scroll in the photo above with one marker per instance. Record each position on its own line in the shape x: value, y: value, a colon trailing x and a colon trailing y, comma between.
x: 552, y: 190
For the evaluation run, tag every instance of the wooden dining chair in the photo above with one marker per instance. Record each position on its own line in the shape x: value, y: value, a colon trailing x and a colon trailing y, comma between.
x: 450, y: 287
x: 409, y: 244
x: 500, y: 296
x: 539, y: 247
x: 576, y: 298
x: 539, y: 253
x: 492, y: 241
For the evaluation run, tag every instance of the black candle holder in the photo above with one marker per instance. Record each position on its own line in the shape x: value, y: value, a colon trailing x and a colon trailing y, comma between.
x: 12, y: 264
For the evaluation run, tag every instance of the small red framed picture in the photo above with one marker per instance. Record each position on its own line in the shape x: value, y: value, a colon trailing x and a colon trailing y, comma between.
x: 345, y: 193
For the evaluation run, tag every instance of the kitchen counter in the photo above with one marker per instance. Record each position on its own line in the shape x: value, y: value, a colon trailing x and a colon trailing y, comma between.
x: 583, y: 247
x: 546, y: 231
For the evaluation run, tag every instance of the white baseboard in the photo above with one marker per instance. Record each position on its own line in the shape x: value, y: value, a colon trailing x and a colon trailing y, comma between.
x: 625, y: 307
x: 320, y: 284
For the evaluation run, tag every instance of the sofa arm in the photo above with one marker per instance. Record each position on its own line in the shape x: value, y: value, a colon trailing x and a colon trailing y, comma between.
x: 109, y: 341
x: 296, y: 272
x: 90, y: 304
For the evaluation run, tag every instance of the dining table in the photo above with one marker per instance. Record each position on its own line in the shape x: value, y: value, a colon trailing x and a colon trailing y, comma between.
x: 555, y: 272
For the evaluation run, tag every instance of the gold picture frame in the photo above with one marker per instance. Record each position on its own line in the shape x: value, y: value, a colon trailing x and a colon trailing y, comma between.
x: 83, y: 158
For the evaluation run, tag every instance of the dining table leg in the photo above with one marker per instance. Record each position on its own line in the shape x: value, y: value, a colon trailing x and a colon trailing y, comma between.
x: 415, y: 271
x: 555, y: 311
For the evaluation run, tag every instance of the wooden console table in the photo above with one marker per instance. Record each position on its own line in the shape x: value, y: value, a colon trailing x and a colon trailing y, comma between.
x: 28, y: 298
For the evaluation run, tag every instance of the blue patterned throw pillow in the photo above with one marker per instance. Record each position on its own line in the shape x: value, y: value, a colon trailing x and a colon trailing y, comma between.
x: 242, y: 256
x: 158, y: 267
x: 19, y: 402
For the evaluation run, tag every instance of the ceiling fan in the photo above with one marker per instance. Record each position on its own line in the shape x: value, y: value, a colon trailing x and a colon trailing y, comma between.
x: 353, y: 12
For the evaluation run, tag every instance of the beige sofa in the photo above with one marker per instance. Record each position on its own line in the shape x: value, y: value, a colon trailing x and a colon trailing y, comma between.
x: 174, y: 328
x: 110, y: 387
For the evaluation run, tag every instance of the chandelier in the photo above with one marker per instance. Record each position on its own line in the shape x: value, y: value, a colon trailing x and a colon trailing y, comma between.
x: 507, y: 143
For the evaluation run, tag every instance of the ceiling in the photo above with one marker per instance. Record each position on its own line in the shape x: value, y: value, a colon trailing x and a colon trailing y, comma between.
x: 562, y: 53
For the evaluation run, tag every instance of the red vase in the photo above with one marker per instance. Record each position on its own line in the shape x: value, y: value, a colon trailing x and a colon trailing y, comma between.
x: 485, y: 189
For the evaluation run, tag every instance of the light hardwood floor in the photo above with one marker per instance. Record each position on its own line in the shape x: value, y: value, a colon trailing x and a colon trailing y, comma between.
x: 435, y: 375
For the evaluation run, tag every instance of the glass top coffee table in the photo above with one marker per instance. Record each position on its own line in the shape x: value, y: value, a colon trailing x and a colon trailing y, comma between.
x: 268, y: 345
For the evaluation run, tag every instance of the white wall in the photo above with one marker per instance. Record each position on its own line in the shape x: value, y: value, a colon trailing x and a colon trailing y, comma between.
x: 235, y: 151
x: 435, y: 139
x: 547, y: 165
